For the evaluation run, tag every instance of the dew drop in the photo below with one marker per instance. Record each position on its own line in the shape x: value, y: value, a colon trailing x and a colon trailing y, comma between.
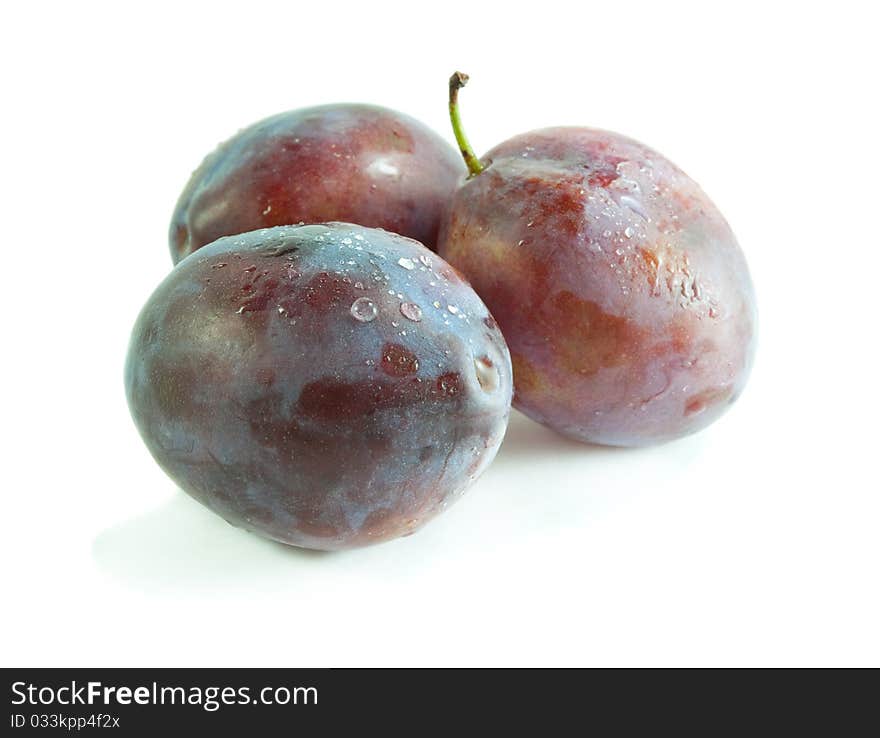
x: 426, y: 260
x: 487, y: 373
x: 447, y: 385
x: 406, y: 263
x: 628, y: 232
x: 364, y: 310
x: 411, y: 311
x: 635, y: 205
x: 452, y: 309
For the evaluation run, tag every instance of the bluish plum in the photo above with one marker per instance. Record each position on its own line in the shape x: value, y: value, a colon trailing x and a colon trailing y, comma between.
x: 327, y: 386
x: 358, y: 163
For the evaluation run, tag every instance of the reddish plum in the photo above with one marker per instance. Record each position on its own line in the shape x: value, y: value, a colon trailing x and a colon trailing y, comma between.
x: 358, y: 163
x: 620, y: 288
x: 326, y: 386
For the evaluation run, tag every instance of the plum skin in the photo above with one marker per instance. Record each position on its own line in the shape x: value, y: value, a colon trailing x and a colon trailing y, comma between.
x: 623, y: 295
x: 276, y: 377
x: 346, y: 162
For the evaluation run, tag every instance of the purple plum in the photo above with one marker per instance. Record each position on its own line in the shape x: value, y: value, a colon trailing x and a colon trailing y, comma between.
x: 620, y: 288
x: 357, y: 163
x: 326, y: 386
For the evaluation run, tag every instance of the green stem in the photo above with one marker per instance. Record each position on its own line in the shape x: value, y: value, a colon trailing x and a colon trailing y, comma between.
x: 456, y: 82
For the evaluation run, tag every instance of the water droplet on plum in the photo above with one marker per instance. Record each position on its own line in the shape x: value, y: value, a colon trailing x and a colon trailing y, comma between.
x: 411, y: 311
x: 364, y: 310
x: 634, y: 205
x: 487, y: 373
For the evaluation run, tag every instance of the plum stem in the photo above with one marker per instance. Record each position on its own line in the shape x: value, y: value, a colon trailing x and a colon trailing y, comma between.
x: 456, y: 82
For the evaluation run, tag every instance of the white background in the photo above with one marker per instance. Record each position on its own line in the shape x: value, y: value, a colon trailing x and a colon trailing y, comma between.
x: 752, y: 543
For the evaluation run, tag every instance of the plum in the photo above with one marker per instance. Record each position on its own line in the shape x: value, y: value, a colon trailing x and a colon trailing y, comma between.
x: 358, y: 163
x: 326, y: 386
x: 620, y: 289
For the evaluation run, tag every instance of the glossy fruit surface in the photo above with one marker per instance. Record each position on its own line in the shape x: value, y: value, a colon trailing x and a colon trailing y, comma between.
x: 326, y: 386
x: 620, y: 288
x: 357, y: 163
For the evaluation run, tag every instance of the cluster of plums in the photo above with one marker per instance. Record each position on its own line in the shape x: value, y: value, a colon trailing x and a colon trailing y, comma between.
x: 331, y: 385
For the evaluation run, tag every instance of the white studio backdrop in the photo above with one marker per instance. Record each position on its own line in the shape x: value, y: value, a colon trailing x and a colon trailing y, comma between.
x: 752, y: 543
